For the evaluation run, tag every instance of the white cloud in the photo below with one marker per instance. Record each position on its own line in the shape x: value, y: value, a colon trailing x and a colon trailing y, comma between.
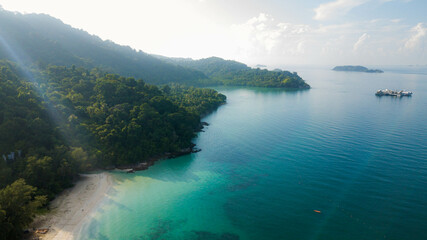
x: 336, y: 8
x: 362, y: 39
x: 263, y: 35
x: 263, y: 39
x: 397, y: 20
x: 386, y: 1
x: 419, y: 33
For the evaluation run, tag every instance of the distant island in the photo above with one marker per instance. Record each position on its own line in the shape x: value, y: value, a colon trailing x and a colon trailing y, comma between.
x: 356, y: 69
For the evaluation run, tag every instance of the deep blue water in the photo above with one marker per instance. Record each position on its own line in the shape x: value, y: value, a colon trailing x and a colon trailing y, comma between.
x: 271, y: 157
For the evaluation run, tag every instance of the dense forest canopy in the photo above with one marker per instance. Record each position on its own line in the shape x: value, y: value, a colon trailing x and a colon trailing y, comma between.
x: 67, y: 120
x: 227, y: 72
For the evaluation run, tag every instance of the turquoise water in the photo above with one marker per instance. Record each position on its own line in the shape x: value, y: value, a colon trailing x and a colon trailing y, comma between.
x: 271, y: 157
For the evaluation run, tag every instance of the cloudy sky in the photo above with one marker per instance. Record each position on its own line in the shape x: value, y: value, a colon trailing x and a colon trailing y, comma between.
x: 272, y: 32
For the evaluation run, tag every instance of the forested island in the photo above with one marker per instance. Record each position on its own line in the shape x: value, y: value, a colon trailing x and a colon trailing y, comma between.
x: 356, y: 69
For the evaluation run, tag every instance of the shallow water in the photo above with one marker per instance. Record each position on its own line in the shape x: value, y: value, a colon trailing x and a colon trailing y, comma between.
x: 271, y: 157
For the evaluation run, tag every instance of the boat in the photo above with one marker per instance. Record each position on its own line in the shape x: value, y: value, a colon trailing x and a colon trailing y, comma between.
x: 387, y: 92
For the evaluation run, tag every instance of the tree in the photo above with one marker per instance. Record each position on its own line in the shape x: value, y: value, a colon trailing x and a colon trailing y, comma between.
x: 17, y: 208
x: 39, y: 173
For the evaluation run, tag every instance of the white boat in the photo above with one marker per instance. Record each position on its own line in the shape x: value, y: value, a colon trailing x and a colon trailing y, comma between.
x: 387, y: 92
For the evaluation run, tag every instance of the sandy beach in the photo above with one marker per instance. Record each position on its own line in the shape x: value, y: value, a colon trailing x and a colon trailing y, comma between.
x: 71, y: 208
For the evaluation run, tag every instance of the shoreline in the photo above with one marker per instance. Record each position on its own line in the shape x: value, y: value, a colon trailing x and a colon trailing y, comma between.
x: 141, y: 166
x: 73, y: 207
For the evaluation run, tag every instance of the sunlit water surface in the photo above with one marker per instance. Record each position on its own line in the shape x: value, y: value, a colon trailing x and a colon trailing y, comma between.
x: 271, y: 157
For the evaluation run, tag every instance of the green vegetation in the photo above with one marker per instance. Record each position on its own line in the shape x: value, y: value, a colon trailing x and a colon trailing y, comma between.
x: 18, y: 204
x: 57, y: 121
x: 356, y: 69
x: 60, y: 121
x: 226, y: 72
x: 40, y: 40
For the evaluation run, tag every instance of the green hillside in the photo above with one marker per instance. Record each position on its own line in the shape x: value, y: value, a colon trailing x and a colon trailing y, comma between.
x: 228, y: 72
x: 38, y: 39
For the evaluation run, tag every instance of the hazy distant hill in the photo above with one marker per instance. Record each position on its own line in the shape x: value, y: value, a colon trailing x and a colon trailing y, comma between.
x: 356, y: 69
x: 228, y: 72
x: 42, y: 39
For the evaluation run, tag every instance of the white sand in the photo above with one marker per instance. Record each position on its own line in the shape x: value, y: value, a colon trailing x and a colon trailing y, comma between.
x: 71, y: 208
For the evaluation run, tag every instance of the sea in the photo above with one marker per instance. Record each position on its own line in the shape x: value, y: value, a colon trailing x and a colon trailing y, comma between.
x: 331, y: 162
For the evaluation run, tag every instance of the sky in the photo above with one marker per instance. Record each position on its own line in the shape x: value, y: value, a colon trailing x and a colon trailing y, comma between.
x: 270, y: 32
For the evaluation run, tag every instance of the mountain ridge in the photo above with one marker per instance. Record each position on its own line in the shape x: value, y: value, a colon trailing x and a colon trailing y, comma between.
x: 41, y: 40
